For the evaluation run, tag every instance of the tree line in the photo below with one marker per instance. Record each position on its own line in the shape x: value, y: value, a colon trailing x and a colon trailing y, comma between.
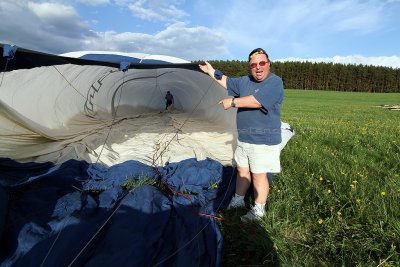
x: 324, y: 76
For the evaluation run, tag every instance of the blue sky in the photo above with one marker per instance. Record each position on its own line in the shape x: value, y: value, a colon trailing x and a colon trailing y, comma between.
x: 342, y: 31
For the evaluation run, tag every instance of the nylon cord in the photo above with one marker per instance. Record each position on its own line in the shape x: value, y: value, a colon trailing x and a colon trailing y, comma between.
x: 188, y: 117
x: 55, y: 240
x: 59, y: 233
x: 121, y: 200
x: 113, y: 119
x: 198, y: 233
x: 112, y: 214
x: 224, y: 197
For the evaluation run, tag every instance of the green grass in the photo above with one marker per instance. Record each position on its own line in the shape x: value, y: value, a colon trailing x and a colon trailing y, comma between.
x: 337, y: 200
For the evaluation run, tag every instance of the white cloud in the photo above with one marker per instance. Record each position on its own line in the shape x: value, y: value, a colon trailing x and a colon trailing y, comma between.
x: 176, y: 40
x: 145, y: 13
x: 51, y: 10
x: 55, y: 18
x: 284, y: 28
x: 385, y: 61
x: 156, y: 10
x: 47, y: 27
x: 57, y: 28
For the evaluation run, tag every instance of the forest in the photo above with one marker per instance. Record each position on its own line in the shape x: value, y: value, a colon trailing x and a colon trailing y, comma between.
x: 324, y: 76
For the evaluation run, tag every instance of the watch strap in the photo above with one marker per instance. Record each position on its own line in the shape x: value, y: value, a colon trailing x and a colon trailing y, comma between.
x: 233, y: 104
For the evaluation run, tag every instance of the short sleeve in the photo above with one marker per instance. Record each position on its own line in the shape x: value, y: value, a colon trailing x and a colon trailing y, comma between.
x: 232, y: 85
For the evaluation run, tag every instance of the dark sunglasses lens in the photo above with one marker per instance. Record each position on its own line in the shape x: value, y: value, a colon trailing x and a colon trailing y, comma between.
x: 261, y: 63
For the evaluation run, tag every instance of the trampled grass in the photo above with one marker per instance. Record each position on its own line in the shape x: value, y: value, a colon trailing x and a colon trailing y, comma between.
x: 337, y: 200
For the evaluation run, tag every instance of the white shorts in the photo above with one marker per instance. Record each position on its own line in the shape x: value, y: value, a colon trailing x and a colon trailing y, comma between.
x: 260, y: 158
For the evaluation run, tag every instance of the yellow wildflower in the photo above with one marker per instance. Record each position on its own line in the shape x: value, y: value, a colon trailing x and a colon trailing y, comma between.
x: 329, y: 191
x: 383, y: 193
x: 320, y: 221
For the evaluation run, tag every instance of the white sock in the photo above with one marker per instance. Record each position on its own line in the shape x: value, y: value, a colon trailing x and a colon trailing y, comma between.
x: 238, y: 197
x: 259, y: 208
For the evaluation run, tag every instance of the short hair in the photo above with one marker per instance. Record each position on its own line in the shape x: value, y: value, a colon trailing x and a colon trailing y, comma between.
x: 256, y: 52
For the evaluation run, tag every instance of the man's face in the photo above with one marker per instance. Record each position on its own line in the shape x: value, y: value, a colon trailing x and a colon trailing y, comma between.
x: 259, y: 67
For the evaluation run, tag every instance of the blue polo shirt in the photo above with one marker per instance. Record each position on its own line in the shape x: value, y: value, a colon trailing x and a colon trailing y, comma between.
x: 259, y: 125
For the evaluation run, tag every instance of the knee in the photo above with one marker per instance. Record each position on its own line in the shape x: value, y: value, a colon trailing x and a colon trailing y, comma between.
x: 244, y: 173
x: 260, y: 176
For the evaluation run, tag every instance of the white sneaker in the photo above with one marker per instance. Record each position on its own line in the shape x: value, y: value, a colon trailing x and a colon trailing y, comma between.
x: 253, y: 215
x: 236, y: 203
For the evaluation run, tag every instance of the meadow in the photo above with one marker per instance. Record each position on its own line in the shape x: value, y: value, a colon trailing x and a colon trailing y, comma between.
x: 336, y: 201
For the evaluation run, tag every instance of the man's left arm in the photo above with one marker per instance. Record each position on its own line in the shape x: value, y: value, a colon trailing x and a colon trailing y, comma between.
x: 262, y: 99
x: 240, y: 102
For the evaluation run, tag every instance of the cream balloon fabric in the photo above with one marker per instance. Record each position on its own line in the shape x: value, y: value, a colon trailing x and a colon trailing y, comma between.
x: 101, y: 114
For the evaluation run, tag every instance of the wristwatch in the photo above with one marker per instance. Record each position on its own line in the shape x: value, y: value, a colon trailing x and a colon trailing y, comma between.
x: 233, y: 102
x: 218, y: 74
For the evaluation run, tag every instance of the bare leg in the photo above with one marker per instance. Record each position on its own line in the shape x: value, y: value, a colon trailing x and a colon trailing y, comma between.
x: 261, y: 190
x: 261, y: 187
x: 243, y: 180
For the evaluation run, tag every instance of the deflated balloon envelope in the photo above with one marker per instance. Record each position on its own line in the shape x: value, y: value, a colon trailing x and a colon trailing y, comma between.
x: 58, y: 108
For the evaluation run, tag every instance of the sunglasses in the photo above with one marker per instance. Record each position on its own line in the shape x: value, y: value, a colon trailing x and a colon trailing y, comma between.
x: 261, y: 63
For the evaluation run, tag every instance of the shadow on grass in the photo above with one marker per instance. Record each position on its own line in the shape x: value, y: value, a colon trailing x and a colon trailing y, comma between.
x: 246, y: 244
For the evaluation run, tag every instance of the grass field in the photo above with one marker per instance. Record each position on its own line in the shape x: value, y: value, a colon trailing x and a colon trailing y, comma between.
x: 337, y: 200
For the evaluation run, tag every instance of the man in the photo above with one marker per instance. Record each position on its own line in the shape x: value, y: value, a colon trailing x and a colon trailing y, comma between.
x: 258, y: 98
x: 169, y: 100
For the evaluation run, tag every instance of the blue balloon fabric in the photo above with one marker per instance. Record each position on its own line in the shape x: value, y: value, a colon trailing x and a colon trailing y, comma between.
x: 82, y: 214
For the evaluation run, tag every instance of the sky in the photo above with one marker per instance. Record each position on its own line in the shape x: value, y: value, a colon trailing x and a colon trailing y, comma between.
x: 340, y: 31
